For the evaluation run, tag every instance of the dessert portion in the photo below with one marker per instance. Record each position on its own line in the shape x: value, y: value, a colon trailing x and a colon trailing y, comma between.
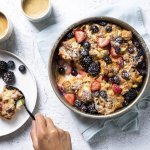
x: 11, y: 100
x: 100, y: 67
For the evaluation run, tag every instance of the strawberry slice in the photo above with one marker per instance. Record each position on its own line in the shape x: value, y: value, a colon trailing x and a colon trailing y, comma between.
x: 116, y: 89
x: 113, y: 53
x: 95, y: 86
x: 82, y: 73
x: 80, y: 35
x: 70, y: 98
x: 102, y: 42
x: 120, y: 62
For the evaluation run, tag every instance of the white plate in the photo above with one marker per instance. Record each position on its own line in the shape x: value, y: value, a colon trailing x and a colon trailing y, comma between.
x: 26, y: 83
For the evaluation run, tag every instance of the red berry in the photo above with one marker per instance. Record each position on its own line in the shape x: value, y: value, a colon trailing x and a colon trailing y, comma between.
x: 70, y: 98
x: 102, y: 42
x: 113, y: 53
x: 80, y: 36
x: 116, y: 89
x: 95, y: 86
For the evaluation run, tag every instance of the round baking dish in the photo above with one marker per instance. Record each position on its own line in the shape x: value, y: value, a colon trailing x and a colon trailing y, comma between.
x: 51, y: 67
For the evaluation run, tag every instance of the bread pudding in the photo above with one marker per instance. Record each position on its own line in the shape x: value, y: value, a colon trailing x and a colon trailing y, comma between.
x: 11, y: 100
x: 100, y: 67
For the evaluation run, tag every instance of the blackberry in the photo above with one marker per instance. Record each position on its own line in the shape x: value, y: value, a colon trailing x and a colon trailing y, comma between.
x: 125, y: 103
x: 108, y: 60
x: 11, y: 64
x: 119, y: 40
x: 131, y: 50
x: 8, y: 77
x: 103, y: 23
x: 136, y: 58
x: 22, y: 68
x: 3, y: 67
x: 74, y: 72
x: 103, y: 94
x: 94, y: 29
x: 91, y: 108
x: 142, y: 72
x: 94, y: 69
x: 130, y: 95
x: 108, y: 28
x: 84, y: 52
x: 140, y: 52
x: 95, y: 94
x: 125, y: 75
x: 86, y: 45
x: 70, y: 35
x: 86, y: 61
x: 61, y: 70
x: 117, y: 50
x: 84, y: 108
x: 116, y: 80
x: 77, y: 104
x: 141, y: 65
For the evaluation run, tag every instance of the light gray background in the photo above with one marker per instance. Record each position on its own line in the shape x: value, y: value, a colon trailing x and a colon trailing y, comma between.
x: 23, y: 43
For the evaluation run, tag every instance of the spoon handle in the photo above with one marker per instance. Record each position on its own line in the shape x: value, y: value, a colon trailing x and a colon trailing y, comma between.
x: 31, y: 115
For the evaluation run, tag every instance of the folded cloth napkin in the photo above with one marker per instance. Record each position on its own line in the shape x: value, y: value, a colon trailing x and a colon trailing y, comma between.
x: 92, y: 129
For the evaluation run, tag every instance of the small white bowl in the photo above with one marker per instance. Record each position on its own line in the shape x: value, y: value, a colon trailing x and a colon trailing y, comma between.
x: 43, y: 16
x: 8, y: 30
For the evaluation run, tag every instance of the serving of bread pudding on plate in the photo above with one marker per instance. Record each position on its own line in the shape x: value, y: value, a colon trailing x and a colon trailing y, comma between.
x: 11, y: 100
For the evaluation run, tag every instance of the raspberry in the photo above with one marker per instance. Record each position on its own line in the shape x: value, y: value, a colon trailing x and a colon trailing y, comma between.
x: 116, y: 89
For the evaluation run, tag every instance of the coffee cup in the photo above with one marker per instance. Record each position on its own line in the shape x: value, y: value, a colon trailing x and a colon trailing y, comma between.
x: 36, y: 10
x: 6, y: 27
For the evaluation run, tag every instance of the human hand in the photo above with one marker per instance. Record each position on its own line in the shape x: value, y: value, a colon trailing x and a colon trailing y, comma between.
x: 46, y: 136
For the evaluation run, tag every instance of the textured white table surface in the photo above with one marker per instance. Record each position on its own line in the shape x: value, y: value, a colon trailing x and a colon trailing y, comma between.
x: 23, y: 43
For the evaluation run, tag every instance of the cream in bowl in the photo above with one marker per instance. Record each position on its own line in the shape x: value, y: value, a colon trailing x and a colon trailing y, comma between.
x: 5, y: 27
x: 36, y: 10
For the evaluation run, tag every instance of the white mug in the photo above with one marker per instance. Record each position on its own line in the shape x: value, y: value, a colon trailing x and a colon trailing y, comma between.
x: 8, y: 30
x: 42, y: 16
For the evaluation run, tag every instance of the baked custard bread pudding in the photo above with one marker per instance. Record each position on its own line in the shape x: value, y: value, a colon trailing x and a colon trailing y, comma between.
x: 11, y: 100
x: 100, y: 67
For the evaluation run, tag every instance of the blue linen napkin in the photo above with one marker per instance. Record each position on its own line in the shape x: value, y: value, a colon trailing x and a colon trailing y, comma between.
x: 92, y: 129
